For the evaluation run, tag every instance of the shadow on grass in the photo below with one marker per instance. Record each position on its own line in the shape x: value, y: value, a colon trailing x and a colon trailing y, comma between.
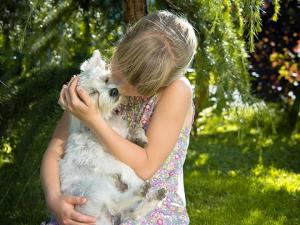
x: 225, y: 153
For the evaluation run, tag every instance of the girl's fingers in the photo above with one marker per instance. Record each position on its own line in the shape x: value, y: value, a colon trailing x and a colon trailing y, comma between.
x: 71, y: 81
x: 71, y: 222
x: 75, y: 200
x: 61, y: 100
x: 67, y: 92
x: 72, y: 91
x: 66, y: 97
x: 76, y: 216
x: 78, y: 223
x: 83, y: 95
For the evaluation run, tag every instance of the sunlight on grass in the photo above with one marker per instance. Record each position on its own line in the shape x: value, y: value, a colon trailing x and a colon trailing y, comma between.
x: 253, y: 131
x: 5, y: 153
x: 202, y: 159
x: 276, y: 179
x: 296, y: 136
x: 232, y: 173
x: 215, y: 199
x: 228, y: 128
x: 256, y: 216
x: 240, y: 172
x: 266, y: 142
x: 255, y: 118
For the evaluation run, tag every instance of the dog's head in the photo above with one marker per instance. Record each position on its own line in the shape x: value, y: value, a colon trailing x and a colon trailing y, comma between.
x: 95, y: 80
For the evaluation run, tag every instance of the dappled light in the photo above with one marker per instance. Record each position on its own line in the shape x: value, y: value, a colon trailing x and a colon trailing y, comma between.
x: 243, y: 161
x: 276, y: 179
x: 243, y: 176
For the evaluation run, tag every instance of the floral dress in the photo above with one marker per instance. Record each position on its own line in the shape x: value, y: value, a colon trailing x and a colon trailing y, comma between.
x: 172, y: 209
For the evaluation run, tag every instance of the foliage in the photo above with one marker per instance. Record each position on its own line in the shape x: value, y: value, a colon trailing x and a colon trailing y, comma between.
x: 41, y: 50
x: 250, y: 180
x: 275, y: 64
x: 226, y: 38
x: 42, y: 44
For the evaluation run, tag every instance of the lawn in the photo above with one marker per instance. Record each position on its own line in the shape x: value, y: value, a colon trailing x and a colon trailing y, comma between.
x: 230, y: 178
x: 232, y: 182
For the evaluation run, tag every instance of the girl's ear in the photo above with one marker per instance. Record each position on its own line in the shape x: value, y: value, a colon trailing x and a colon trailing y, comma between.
x: 93, y: 62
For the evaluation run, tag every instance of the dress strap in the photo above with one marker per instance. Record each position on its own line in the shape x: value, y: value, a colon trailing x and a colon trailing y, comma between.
x: 148, y: 110
x: 194, y: 111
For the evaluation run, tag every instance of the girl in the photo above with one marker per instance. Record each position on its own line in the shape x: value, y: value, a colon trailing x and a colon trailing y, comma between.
x: 148, y: 64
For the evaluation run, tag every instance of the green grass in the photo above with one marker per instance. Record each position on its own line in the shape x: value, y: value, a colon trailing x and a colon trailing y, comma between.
x: 250, y: 180
x: 230, y: 182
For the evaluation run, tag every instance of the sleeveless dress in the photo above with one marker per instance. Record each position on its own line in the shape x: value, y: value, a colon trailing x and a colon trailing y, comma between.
x: 138, y: 110
x: 172, y: 210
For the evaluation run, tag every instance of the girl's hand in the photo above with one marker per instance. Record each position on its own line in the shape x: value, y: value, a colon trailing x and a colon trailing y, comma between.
x: 75, y: 100
x: 64, y: 212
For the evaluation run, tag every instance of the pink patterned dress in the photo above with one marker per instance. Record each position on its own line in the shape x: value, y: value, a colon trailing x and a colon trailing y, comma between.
x: 172, y: 210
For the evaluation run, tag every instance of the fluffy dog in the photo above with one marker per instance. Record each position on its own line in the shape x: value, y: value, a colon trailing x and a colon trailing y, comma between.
x: 113, y: 189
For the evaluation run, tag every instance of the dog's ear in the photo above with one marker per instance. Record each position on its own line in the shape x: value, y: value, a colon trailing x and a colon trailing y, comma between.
x: 93, y: 62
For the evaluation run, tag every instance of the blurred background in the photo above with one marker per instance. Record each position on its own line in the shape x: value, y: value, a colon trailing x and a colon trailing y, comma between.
x: 243, y: 162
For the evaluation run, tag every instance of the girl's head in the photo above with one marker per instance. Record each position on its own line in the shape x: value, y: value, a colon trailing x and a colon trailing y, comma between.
x: 154, y: 52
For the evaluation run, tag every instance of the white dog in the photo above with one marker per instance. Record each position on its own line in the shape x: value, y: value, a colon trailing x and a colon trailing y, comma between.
x: 113, y: 189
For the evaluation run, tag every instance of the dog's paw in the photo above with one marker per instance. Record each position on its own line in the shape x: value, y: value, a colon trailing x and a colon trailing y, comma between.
x: 121, y: 186
x: 138, y: 136
x: 116, y: 219
x: 140, y: 142
x: 145, y: 188
x: 161, y: 194
x: 61, y: 105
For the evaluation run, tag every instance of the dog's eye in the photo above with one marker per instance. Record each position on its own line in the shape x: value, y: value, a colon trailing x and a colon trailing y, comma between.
x: 106, y: 80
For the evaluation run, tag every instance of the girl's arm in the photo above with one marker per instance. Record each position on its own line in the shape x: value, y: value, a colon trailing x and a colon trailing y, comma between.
x: 163, y: 131
x: 49, y: 167
x: 61, y: 206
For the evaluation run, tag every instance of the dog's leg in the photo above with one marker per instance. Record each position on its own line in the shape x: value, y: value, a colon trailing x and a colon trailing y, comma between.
x: 128, y: 200
x: 137, y: 135
x: 145, y: 206
x: 106, y: 218
x: 120, y: 185
x: 117, y: 219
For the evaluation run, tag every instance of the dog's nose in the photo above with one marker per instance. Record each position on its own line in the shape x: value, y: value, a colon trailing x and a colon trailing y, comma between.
x: 113, y: 92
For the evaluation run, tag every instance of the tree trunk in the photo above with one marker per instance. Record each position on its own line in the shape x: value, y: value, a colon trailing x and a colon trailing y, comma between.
x: 201, y: 89
x: 134, y: 10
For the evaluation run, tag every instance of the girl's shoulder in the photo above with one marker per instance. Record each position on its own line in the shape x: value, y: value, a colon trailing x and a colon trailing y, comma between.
x: 180, y: 84
x: 181, y: 91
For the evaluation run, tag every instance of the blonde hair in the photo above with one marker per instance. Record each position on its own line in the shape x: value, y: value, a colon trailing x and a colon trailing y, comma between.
x: 155, y: 51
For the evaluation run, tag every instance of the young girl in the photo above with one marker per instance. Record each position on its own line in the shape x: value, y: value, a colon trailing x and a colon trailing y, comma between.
x: 148, y: 64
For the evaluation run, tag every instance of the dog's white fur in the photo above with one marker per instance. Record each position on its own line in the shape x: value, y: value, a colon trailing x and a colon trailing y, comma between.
x: 87, y: 169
